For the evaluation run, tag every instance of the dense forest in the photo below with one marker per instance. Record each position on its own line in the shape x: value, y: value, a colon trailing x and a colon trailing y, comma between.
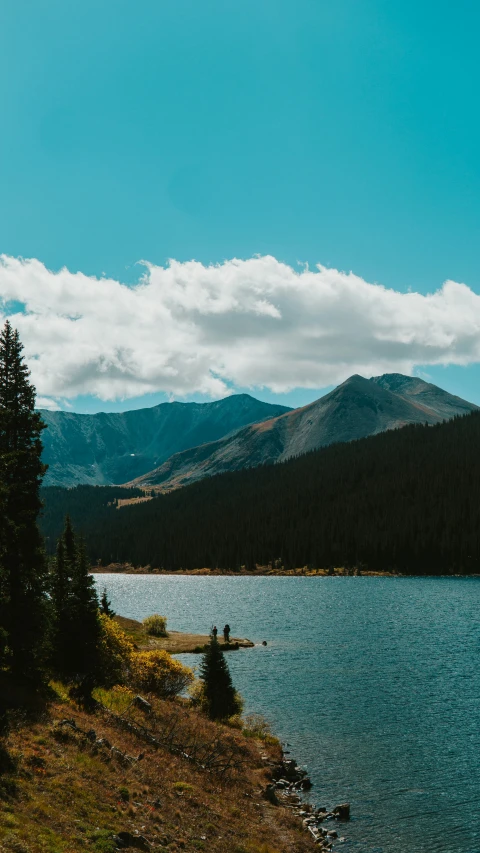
x: 407, y: 500
x: 86, y: 504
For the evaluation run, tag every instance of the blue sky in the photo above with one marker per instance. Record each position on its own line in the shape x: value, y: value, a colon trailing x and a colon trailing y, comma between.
x: 345, y: 134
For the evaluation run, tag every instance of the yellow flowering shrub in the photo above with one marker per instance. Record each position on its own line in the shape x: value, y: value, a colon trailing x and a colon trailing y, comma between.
x: 116, y: 651
x: 157, y: 672
x: 153, y: 671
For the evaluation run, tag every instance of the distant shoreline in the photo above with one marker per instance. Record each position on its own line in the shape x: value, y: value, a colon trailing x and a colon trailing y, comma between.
x: 122, y: 569
x: 127, y: 569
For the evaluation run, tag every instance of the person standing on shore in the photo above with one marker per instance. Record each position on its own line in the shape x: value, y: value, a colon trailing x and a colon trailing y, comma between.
x: 214, y: 631
x: 226, y: 633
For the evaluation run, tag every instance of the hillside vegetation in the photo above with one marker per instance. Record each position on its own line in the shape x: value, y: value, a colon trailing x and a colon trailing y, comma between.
x: 86, y: 762
x: 407, y: 500
x: 171, y: 781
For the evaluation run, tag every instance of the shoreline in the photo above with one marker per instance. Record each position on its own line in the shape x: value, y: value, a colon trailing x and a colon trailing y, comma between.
x: 289, y: 781
x: 128, y: 569
x: 177, y: 642
x: 122, y: 569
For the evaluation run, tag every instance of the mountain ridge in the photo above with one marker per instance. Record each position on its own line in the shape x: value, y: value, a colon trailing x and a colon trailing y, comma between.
x: 356, y: 408
x: 108, y: 448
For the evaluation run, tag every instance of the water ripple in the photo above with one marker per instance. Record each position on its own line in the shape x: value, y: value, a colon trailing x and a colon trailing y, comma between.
x: 374, y: 682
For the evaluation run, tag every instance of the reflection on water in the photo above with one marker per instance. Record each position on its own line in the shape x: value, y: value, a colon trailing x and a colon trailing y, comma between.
x: 374, y: 683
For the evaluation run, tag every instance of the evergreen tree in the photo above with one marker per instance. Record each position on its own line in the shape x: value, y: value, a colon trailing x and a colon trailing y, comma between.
x: 23, y: 600
x: 220, y: 697
x: 85, y: 617
x: 69, y: 544
x: 105, y: 604
x: 60, y: 594
x: 76, y: 626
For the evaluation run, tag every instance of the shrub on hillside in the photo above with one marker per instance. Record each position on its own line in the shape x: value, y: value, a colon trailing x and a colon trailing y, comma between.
x: 157, y: 672
x: 155, y: 626
x: 116, y: 652
x: 255, y: 725
x: 117, y: 698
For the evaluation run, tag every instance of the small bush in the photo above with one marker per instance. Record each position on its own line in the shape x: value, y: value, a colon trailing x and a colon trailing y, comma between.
x: 183, y: 787
x: 60, y: 690
x: 197, y: 694
x: 157, y: 672
x: 116, y: 650
x: 103, y: 841
x: 155, y: 626
x: 255, y: 725
x: 118, y: 699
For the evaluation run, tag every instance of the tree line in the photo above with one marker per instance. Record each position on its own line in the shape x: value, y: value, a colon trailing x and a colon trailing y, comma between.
x: 49, y: 611
x: 51, y: 621
x: 407, y: 500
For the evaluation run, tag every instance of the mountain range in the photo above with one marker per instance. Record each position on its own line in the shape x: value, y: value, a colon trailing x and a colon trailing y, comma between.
x: 111, y: 448
x: 355, y: 409
x: 405, y: 500
x: 174, y: 444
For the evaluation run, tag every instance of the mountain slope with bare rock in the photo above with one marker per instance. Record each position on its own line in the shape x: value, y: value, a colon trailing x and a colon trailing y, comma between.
x: 355, y: 409
x: 109, y: 448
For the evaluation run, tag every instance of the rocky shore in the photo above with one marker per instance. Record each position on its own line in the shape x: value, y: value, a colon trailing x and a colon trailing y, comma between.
x: 289, y: 782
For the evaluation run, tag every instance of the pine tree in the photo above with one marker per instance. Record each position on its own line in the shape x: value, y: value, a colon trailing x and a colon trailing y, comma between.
x: 106, y: 604
x: 85, y: 617
x: 76, y: 626
x: 23, y: 600
x: 220, y: 697
x: 60, y: 594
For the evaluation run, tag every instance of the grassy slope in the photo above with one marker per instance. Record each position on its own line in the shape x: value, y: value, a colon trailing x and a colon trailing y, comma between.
x: 67, y: 793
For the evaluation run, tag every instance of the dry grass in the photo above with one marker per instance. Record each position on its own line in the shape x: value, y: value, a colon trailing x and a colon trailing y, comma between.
x: 68, y: 793
x: 130, y: 501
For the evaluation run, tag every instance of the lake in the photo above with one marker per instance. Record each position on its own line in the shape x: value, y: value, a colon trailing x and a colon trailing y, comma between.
x: 373, y: 682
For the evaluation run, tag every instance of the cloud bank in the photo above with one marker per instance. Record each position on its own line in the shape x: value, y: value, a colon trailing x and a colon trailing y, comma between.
x: 190, y: 328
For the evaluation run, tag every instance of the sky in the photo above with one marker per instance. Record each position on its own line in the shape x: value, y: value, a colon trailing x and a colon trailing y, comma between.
x: 203, y: 198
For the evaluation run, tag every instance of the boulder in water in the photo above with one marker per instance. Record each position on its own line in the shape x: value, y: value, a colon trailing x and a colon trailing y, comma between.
x: 342, y: 812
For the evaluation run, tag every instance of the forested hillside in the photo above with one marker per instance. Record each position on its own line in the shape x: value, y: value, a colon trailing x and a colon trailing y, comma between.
x: 405, y: 500
x: 86, y: 505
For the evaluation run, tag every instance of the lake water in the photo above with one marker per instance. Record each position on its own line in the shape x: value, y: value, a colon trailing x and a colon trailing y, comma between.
x: 374, y: 683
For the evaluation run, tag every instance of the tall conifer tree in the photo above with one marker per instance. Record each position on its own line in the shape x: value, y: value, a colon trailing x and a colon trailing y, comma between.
x: 60, y: 594
x: 220, y: 697
x: 76, y: 626
x: 23, y: 602
x: 85, y: 613
x: 105, y: 605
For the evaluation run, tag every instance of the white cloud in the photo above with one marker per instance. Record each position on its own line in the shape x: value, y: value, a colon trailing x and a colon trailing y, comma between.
x: 48, y: 403
x: 190, y: 328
